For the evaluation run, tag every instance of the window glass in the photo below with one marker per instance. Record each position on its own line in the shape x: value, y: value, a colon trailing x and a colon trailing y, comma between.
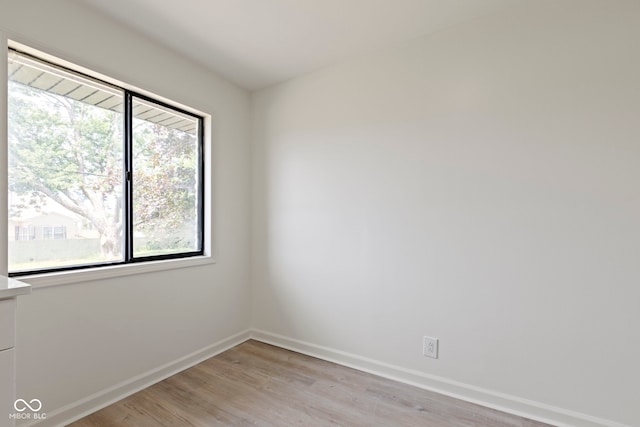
x: 97, y: 174
x: 65, y: 167
x: 165, y: 181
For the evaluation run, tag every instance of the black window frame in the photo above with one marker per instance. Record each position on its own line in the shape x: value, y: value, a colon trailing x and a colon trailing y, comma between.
x: 127, y: 178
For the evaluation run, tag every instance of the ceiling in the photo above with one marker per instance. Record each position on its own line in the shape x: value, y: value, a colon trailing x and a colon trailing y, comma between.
x: 256, y: 43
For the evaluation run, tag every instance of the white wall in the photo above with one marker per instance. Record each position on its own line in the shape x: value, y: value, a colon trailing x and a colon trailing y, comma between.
x: 481, y: 186
x: 79, y: 339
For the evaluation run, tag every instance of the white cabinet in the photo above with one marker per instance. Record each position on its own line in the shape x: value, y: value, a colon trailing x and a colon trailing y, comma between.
x: 7, y: 323
x: 9, y: 291
x: 7, y: 386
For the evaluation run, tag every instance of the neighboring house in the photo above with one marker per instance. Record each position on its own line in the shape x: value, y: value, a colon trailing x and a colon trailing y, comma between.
x: 50, y: 226
x: 50, y: 221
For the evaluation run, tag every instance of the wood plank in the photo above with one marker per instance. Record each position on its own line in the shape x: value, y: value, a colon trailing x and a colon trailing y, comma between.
x: 261, y: 385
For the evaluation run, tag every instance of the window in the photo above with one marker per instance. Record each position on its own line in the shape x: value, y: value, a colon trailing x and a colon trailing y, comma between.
x: 25, y: 233
x: 105, y: 175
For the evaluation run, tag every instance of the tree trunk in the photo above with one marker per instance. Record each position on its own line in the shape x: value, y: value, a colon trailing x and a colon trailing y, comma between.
x: 110, y: 240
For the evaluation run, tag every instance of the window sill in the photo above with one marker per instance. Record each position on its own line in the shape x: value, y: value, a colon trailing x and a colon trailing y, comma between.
x: 108, y: 272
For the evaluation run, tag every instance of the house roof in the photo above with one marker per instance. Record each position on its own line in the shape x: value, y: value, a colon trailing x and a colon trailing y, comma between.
x: 33, y: 73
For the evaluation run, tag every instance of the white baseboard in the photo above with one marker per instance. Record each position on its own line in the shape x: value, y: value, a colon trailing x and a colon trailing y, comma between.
x: 500, y: 401
x: 503, y: 402
x: 101, y: 399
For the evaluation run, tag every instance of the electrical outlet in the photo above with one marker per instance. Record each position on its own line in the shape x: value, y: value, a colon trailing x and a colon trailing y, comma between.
x: 430, y: 347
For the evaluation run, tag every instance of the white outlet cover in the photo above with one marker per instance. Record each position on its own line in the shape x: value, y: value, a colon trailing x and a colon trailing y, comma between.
x: 430, y: 347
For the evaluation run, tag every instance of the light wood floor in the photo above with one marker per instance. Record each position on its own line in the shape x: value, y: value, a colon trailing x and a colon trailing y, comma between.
x: 260, y: 385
